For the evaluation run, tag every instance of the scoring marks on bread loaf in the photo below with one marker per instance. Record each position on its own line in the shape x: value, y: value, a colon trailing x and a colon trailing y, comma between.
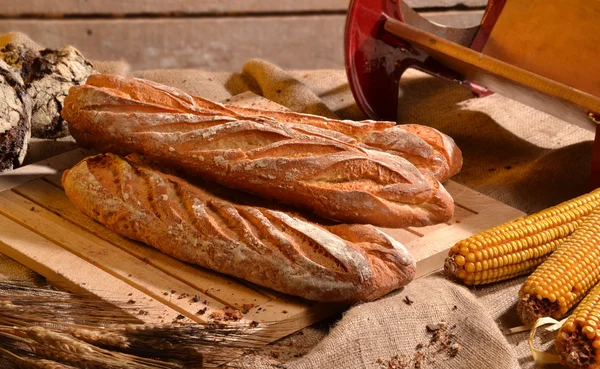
x: 110, y: 202
x: 323, y: 133
x: 403, y: 254
x: 271, y: 239
x: 337, y: 250
x: 297, y: 149
x: 206, y: 212
x: 182, y: 214
x: 177, y: 122
x: 215, y: 130
x: 399, y: 142
x: 240, y: 137
x: 156, y: 188
x: 358, y: 172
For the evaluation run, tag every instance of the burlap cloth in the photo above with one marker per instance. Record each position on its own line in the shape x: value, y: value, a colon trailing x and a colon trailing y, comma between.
x: 513, y: 153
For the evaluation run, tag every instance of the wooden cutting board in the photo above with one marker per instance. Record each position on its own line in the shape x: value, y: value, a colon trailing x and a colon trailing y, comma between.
x: 42, y: 230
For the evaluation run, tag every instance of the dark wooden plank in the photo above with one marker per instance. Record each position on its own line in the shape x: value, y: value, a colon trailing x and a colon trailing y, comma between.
x: 13, y: 8
x: 302, y: 42
x: 208, y: 43
x: 161, y: 7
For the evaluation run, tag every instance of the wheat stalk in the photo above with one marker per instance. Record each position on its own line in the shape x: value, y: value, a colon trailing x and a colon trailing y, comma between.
x: 26, y: 344
x: 27, y: 363
x: 42, y: 329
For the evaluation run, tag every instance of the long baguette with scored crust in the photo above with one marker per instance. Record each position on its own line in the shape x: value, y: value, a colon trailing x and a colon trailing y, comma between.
x: 299, y: 165
x: 431, y: 151
x: 199, y: 224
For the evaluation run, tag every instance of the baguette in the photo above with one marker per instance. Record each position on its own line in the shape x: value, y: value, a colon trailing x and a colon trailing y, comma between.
x: 309, y: 169
x: 431, y: 151
x: 197, y: 223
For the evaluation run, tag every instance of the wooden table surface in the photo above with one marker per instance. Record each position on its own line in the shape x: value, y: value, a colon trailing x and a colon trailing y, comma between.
x: 207, y: 34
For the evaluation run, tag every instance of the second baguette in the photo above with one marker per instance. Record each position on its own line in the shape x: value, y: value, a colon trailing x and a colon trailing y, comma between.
x: 199, y: 223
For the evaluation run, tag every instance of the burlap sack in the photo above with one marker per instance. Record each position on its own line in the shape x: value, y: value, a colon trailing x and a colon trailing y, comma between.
x: 373, y: 334
x: 512, y: 152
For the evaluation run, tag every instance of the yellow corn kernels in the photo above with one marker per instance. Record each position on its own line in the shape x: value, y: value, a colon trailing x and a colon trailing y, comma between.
x: 519, y: 246
x: 578, y: 340
x: 566, y: 276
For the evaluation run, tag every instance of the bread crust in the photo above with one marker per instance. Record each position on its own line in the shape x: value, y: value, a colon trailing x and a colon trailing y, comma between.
x: 199, y: 223
x: 431, y: 151
x: 306, y: 168
x: 15, y: 118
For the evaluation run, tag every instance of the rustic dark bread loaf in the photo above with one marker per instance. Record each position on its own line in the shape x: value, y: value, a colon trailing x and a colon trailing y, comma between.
x: 431, y: 151
x: 15, y: 118
x: 302, y: 167
x: 48, y: 75
x: 196, y: 223
x: 20, y: 57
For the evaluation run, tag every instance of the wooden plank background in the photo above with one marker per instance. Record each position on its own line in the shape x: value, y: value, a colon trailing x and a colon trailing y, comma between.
x: 207, y: 34
x: 13, y: 8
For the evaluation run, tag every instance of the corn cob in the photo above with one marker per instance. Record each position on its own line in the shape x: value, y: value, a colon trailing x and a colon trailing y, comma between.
x: 578, y: 340
x: 566, y: 276
x: 519, y: 246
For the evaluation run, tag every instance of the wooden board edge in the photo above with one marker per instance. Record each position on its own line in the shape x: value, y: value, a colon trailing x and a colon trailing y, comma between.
x: 42, y: 168
x: 432, y: 260
x: 294, y: 322
x: 66, y: 269
x: 470, y: 199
